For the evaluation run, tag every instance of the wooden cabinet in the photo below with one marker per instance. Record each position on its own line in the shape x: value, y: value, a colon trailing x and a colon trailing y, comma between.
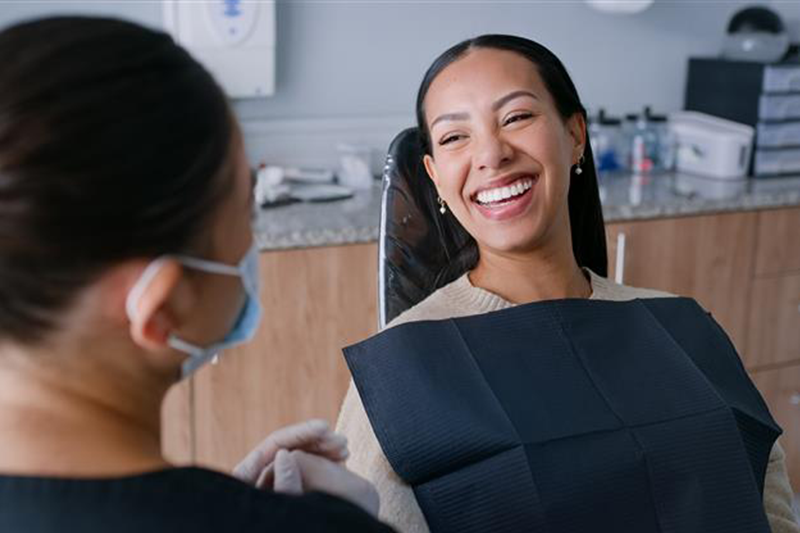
x: 316, y: 301
x: 774, y: 328
x: 709, y: 258
x: 780, y: 388
x: 745, y: 269
x: 778, y: 242
x: 177, y: 436
x: 775, y: 298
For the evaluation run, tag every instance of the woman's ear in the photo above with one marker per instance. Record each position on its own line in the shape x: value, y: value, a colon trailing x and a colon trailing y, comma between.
x: 430, y: 168
x: 576, y: 126
x: 147, y: 304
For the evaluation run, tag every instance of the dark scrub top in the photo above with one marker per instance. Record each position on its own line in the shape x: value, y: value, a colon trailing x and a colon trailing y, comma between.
x: 194, y: 500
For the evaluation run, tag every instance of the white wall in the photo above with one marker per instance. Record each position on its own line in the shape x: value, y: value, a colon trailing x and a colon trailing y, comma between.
x: 348, y: 70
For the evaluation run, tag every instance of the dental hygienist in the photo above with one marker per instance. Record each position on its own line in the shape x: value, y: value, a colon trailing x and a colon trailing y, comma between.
x: 127, y: 261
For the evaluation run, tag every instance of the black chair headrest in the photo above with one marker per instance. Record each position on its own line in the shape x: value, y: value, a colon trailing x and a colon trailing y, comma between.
x: 420, y: 249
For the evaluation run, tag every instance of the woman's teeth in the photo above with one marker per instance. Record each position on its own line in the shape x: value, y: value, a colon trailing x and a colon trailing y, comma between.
x: 500, y: 194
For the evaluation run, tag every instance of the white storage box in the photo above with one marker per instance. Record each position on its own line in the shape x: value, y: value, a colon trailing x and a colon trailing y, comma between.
x: 711, y: 146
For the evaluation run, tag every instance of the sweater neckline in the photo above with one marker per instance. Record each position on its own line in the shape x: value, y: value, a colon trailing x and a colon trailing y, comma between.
x: 463, y: 293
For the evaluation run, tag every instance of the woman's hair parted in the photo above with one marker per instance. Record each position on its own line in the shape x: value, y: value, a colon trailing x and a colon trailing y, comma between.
x: 585, y: 210
x: 113, y: 145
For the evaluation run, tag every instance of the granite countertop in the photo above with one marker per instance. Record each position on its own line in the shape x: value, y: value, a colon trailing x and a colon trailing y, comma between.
x: 625, y: 197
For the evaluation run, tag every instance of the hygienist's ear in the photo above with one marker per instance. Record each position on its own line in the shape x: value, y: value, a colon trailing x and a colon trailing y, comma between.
x: 147, y: 305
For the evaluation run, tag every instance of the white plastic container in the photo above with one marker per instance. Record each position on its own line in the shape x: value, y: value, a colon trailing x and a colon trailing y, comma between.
x: 711, y: 146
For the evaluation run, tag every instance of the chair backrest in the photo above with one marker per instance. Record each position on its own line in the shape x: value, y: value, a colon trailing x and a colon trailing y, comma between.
x: 420, y: 249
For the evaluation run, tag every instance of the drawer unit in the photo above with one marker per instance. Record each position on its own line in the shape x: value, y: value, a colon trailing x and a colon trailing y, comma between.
x: 777, y: 135
x: 777, y: 107
x: 764, y: 96
x: 781, y: 78
x: 770, y: 162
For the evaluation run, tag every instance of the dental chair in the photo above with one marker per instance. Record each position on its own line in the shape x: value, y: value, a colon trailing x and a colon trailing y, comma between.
x: 420, y: 249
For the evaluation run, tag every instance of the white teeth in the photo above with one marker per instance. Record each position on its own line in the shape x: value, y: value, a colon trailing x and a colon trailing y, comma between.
x: 503, y: 193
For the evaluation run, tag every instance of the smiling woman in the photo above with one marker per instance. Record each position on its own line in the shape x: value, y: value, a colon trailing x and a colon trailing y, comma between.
x: 502, y: 141
x: 509, y: 161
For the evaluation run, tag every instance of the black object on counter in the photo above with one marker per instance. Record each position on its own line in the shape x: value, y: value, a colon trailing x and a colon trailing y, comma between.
x: 571, y: 415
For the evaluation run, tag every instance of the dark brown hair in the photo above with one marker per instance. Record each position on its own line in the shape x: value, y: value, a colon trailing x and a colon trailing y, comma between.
x: 113, y: 141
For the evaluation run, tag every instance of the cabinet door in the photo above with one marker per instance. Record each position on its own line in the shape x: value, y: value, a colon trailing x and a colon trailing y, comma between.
x: 774, y: 335
x: 780, y: 388
x: 709, y: 258
x: 778, y: 242
x: 316, y: 301
x: 177, y: 439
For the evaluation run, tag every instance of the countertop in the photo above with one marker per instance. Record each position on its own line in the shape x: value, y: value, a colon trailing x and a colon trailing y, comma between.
x: 624, y: 197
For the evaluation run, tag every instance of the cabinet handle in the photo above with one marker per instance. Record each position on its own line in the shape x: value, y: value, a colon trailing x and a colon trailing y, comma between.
x: 794, y: 399
x: 619, y: 269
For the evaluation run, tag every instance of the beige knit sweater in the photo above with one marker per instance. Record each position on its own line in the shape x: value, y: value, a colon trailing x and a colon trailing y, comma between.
x: 399, y: 506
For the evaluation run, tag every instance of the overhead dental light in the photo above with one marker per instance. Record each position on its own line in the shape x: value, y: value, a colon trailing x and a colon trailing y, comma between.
x: 620, y: 7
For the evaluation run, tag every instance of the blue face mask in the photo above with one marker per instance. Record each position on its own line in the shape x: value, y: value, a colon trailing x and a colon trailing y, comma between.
x: 243, y: 328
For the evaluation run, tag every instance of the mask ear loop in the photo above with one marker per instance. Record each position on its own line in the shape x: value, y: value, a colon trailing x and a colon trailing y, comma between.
x: 209, y: 266
x: 135, y: 294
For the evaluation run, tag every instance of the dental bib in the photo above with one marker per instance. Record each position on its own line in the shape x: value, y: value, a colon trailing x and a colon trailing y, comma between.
x: 571, y: 416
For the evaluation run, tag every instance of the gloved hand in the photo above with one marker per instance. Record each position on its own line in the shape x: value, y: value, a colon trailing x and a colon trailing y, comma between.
x: 298, y: 472
x: 312, y: 436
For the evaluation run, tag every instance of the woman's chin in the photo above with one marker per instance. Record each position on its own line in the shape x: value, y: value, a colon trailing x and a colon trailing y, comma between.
x: 512, y: 243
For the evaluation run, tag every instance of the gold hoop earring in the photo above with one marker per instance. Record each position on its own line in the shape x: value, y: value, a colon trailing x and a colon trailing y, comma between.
x: 442, y: 205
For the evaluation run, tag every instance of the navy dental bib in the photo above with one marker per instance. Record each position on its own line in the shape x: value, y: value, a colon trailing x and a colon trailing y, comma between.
x: 571, y: 416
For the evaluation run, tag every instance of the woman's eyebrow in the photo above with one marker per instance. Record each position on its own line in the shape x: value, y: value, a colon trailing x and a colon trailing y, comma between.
x: 495, y: 106
x: 449, y: 116
x: 511, y: 96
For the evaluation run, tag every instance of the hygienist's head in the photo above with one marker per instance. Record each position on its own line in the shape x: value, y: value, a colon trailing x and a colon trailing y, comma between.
x: 505, y: 141
x: 116, y: 148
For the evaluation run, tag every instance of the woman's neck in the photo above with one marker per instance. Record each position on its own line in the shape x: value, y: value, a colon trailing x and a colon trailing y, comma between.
x: 536, y: 276
x: 74, y: 424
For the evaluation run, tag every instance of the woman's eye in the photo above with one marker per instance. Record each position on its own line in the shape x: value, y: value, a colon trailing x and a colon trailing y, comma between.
x: 517, y: 118
x: 450, y: 138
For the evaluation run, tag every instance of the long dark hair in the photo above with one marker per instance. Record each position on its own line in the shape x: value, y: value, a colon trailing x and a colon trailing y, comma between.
x: 585, y: 211
x: 113, y: 145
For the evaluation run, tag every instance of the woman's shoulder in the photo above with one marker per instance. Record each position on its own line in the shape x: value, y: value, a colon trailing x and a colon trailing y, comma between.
x: 456, y: 299
x: 606, y: 289
x: 436, y: 306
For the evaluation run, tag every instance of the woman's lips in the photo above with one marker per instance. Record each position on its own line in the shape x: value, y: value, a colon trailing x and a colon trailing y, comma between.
x: 508, y: 208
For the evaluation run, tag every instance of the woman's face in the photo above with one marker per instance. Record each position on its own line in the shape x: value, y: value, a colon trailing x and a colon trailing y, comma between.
x: 501, y: 152
x: 219, y: 298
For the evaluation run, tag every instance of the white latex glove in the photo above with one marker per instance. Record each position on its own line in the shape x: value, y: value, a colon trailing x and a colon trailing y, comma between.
x: 312, y: 436
x: 298, y: 472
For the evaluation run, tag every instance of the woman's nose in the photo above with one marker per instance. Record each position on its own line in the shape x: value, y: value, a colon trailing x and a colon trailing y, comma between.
x: 492, y: 152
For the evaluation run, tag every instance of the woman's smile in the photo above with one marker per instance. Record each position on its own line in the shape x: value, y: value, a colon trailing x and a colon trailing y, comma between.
x: 507, y: 198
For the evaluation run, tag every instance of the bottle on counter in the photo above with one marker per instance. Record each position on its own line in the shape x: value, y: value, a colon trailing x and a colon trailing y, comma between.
x: 605, y: 133
x: 664, y: 159
x: 626, y: 141
x: 649, y: 143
